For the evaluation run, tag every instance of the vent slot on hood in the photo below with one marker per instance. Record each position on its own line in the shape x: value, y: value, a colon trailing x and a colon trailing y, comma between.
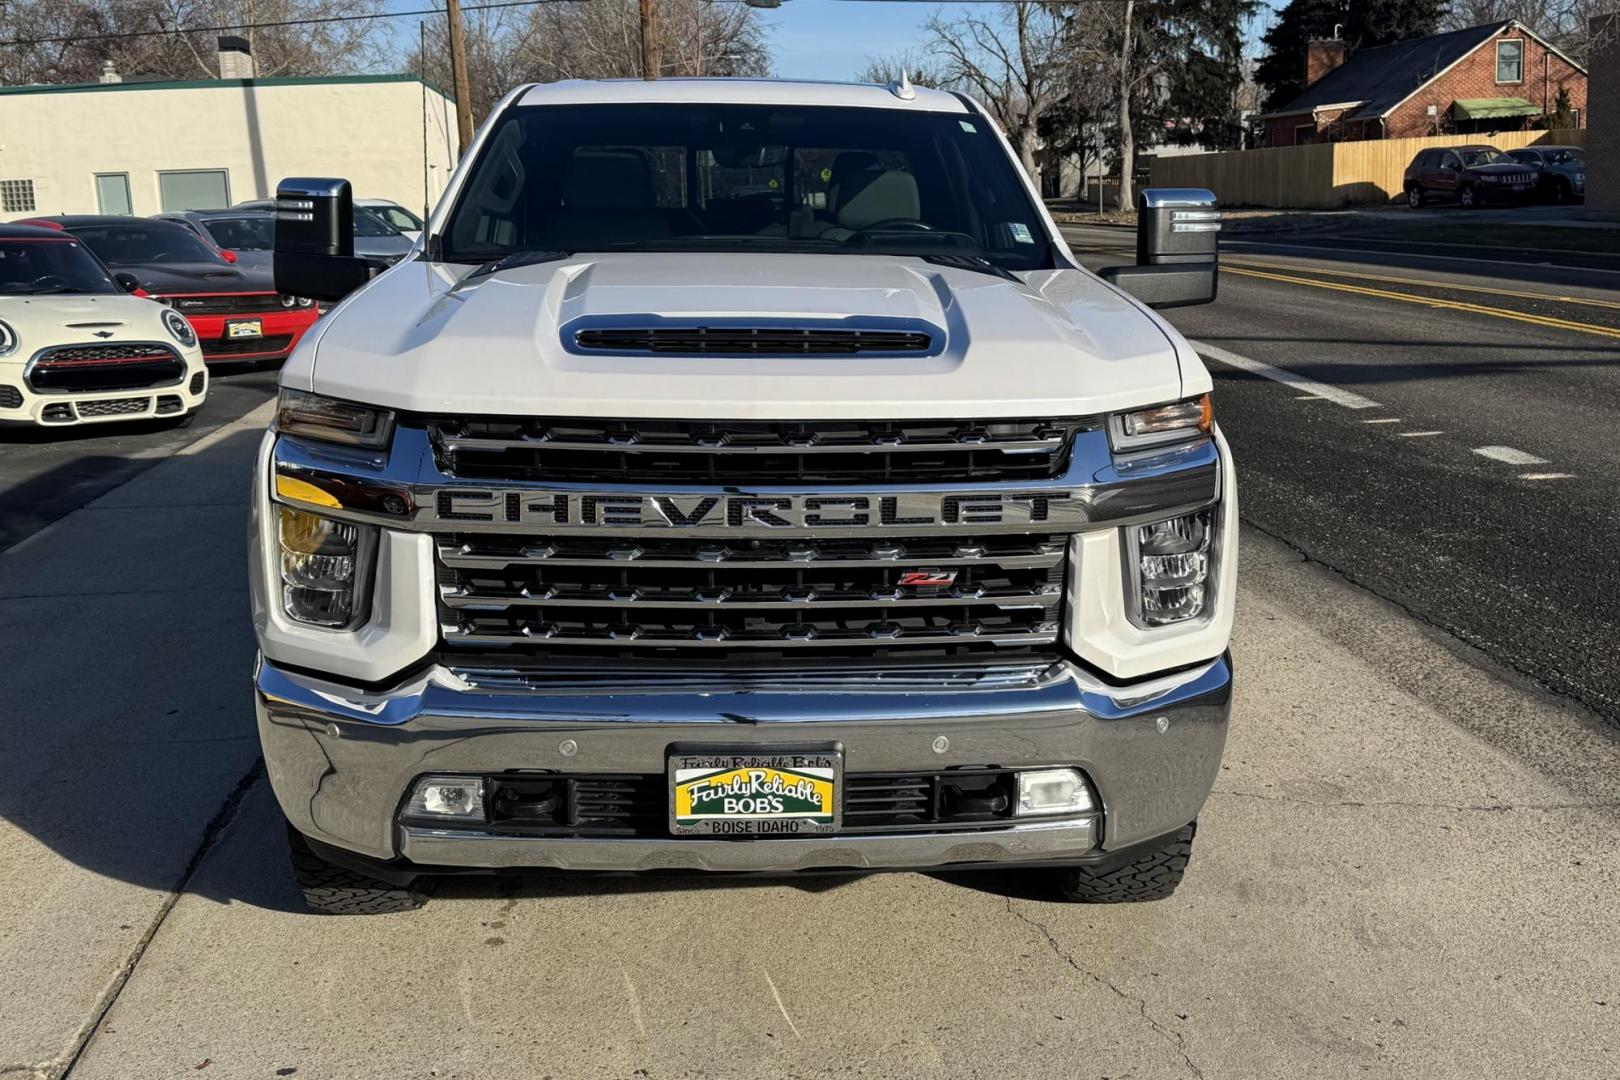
x: 753, y: 341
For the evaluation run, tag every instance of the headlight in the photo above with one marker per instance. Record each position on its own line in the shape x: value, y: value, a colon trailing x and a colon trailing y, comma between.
x: 1162, y: 424
x: 325, y: 569
x: 8, y: 339
x: 329, y: 420
x: 179, y: 328
x: 1168, y: 564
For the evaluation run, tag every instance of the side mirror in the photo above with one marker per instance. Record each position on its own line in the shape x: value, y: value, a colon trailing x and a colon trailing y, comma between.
x: 127, y: 281
x: 228, y: 255
x: 1177, y: 257
x: 314, y: 253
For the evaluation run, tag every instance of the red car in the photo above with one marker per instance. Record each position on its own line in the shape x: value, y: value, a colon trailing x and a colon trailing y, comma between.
x: 236, y: 311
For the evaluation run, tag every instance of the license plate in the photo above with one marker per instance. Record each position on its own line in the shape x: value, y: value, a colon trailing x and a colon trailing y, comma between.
x: 748, y: 794
x: 244, y: 328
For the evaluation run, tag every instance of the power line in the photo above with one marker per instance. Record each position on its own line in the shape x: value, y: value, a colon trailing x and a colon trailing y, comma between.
x: 73, y: 39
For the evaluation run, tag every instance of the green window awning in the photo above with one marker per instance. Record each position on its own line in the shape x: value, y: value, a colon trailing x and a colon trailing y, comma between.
x: 1492, y: 108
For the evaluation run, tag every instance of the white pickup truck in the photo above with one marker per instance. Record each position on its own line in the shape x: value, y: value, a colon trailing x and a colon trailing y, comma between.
x: 741, y: 476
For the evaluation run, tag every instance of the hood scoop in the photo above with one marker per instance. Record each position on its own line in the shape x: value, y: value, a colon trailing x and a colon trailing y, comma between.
x: 832, y: 337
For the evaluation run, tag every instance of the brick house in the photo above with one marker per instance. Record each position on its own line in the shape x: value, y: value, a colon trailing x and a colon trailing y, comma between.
x: 1496, y: 77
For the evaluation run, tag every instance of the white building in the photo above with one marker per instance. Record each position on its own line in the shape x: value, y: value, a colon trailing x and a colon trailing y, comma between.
x: 143, y: 147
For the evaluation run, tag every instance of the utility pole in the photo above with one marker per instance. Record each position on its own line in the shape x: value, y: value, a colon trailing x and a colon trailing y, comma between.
x: 458, y: 75
x: 649, y: 39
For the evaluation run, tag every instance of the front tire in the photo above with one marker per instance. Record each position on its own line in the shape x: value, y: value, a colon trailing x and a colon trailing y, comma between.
x: 1152, y: 875
x: 1414, y: 196
x: 336, y: 890
x: 1563, y: 194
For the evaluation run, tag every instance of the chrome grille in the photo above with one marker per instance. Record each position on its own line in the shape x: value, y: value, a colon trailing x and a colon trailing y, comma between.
x: 766, y: 452
x: 679, y: 596
x: 752, y: 341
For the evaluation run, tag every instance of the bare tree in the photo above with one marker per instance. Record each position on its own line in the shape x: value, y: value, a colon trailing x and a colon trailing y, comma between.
x: 147, y: 37
x: 596, y: 39
x: 1565, y: 23
x: 1012, y: 65
x: 922, y: 68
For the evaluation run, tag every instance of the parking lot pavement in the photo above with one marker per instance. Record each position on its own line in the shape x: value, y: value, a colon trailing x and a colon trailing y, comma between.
x: 1407, y: 870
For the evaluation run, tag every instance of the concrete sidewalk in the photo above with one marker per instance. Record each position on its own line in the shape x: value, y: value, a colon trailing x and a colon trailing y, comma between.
x: 1408, y: 870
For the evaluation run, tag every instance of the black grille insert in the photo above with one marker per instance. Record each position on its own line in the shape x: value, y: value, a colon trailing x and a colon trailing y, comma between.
x: 122, y: 366
x: 767, y: 452
x: 10, y: 397
x: 753, y: 341
x: 647, y: 597
x: 555, y: 804
x: 227, y: 304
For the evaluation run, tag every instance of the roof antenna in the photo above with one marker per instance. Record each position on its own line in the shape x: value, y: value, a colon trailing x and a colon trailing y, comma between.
x: 902, y: 88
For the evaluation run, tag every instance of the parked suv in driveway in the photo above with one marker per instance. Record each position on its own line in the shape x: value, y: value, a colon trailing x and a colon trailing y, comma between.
x: 1467, y: 175
x: 1560, y: 169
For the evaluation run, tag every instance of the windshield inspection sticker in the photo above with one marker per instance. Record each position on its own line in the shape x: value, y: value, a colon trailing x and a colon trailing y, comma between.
x: 967, y: 127
x: 1020, y: 232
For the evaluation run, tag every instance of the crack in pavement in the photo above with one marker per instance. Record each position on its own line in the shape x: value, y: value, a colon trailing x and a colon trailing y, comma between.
x: 1398, y: 804
x: 1169, y: 1034
x: 211, y: 832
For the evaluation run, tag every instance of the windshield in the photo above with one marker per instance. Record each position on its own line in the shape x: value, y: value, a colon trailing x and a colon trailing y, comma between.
x: 35, y: 267
x: 399, y: 218
x: 370, y: 223
x: 146, y: 242
x: 1487, y: 156
x: 745, y: 178
x: 244, y: 233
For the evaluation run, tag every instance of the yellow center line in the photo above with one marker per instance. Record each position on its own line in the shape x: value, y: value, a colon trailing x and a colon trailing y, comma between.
x: 1425, y: 283
x: 1432, y: 302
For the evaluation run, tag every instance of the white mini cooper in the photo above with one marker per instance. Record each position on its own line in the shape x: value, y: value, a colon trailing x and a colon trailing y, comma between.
x: 77, y: 348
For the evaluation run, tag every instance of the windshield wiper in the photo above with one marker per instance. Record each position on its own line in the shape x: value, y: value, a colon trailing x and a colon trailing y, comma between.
x: 516, y: 259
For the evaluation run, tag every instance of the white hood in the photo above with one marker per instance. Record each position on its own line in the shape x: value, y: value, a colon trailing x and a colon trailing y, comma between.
x: 1059, y: 343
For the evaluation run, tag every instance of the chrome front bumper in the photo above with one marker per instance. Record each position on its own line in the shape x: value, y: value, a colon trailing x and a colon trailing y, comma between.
x: 341, y: 760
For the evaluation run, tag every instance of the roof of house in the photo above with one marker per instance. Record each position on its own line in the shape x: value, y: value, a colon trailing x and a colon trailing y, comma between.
x: 1374, y: 81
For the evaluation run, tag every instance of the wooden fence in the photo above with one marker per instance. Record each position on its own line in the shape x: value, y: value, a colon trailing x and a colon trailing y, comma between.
x: 1324, y: 176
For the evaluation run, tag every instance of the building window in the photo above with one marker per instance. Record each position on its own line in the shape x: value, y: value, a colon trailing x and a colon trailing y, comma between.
x: 1510, y: 61
x: 1304, y: 134
x: 112, y: 193
x: 17, y: 196
x: 194, y: 189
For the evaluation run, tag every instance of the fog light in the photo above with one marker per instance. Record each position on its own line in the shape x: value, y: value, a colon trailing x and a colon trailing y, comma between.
x: 448, y: 797
x: 1052, y: 791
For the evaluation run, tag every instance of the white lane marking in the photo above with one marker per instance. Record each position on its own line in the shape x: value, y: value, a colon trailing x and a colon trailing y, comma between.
x: 1416, y: 255
x: 1418, y: 434
x: 1546, y: 476
x: 1509, y: 456
x: 1287, y: 378
x: 1384, y: 420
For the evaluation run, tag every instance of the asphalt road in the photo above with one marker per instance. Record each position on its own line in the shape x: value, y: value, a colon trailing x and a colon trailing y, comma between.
x: 1448, y: 356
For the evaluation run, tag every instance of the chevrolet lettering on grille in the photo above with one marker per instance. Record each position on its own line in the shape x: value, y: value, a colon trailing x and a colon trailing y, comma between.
x: 750, y: 513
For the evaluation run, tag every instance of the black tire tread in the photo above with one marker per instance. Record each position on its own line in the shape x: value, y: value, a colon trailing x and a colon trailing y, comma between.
x: 1154, y: 875
x: 334, y: 890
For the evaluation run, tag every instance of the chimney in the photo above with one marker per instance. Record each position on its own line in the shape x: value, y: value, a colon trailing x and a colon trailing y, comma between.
x: 235, y: 58
x: 1321, y: 56
x: 109, y: 72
